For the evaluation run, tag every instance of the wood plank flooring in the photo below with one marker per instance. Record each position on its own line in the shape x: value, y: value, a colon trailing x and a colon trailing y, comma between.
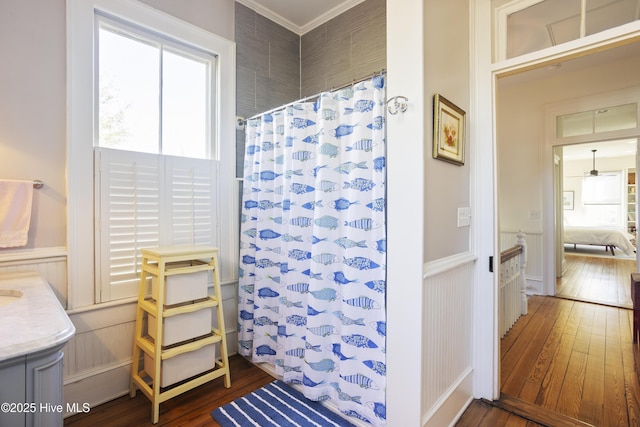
x: 485, y: 414
x: 192, y: 408
x: 566, y: 363
x: 604, y: 280
x: 573, y: 358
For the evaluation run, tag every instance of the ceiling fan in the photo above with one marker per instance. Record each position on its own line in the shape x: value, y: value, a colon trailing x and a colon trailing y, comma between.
x: 593, y: 171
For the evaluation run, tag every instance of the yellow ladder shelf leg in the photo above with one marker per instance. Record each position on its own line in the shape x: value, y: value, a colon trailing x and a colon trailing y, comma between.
x: 194, y: 354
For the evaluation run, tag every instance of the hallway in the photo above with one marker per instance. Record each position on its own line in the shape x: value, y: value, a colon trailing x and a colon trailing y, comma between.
x: 566, y: 363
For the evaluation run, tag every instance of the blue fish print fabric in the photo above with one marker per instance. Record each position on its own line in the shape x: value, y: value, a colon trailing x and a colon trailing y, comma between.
x: 313, y: 248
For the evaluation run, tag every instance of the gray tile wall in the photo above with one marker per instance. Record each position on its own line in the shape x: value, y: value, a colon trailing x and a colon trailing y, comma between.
x: 267, y: 68
x: 345, y: 49
x: 268, y: 63
x: 271, y: 72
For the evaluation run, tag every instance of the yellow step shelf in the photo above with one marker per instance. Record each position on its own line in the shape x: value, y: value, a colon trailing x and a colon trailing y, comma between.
x: 151, y: 307
x: 161, y: 263
x: 148, y: 346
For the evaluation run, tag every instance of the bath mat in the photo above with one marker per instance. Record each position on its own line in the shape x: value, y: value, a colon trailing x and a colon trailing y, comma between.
x: 276, y: 404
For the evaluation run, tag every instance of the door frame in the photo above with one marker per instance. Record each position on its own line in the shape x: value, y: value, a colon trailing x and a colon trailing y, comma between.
x: 483, y: 130
x: 559, y: 266
x: 551, y: 226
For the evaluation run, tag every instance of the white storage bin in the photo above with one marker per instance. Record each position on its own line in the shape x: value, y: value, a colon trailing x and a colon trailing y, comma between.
x: 183, y: 366
x: 182, y: 327
x: 182, y: 287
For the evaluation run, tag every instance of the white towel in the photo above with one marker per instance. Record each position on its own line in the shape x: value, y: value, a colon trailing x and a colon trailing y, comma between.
x: 16, y: 198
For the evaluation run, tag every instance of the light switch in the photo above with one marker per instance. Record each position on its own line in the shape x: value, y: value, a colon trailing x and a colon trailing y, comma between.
x: 464, y: 217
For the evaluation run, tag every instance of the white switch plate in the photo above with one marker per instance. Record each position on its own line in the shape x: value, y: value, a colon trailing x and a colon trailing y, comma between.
x: 464, y: 217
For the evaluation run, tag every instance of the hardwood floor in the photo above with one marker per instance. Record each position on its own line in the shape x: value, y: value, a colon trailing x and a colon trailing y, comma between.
x: 603, y: 280
x: 566, y: 363
x: 192, y: 408
x: 573, y: 358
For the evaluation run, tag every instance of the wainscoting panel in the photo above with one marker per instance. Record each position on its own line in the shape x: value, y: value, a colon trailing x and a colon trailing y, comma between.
x: 535, y: 267
x: 51, y: 263
x: 447, y: 352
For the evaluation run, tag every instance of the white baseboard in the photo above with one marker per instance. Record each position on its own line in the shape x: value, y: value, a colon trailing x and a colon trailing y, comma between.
x: 535, y: 286
x: 452, y: 404
x: 99, y: 388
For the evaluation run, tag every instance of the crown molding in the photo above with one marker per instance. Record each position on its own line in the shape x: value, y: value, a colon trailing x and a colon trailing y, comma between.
x: 300, y: 30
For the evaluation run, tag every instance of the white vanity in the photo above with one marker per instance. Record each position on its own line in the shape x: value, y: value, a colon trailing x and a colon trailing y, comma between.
x: 33, y: 329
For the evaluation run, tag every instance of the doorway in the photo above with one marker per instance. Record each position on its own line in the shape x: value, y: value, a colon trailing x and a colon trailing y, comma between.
x: 596, y: 207
x: 530, y: 197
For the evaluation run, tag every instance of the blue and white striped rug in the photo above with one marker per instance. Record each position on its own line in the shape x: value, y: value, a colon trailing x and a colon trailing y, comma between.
x: 276, y: 404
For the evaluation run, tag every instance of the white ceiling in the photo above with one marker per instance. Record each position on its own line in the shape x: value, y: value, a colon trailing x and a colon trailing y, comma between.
x: 300, y: 16
x: 618, y: 148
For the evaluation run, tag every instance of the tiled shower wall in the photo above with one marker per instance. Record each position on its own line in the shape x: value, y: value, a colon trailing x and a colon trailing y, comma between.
x: 276, y: 66
x: 267, y: 61
x: 347, y: 48
x: 267, y: 68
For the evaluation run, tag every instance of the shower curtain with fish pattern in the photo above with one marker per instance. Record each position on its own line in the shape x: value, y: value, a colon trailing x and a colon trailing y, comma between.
x: 313, y: 247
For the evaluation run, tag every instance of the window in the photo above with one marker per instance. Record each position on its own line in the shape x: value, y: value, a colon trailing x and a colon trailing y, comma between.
x: 149, y: 200
x: 604, y: 189
x: 525, y: 26
x: 151, y: 101
x: 602, y: 199
x: 619, y: 117
x: 154, y: 93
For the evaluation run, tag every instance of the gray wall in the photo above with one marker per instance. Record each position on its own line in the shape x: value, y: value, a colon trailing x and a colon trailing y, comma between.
x: 214, y: 16
x: 267, y: 61
x: 267, y: 68
x: 269, y: 64
x: 347, y: 48
x: 33, y: 110
x: 447, y: 186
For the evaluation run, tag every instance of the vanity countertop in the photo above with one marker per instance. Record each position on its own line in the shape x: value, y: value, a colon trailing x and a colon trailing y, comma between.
x: 34, y: 322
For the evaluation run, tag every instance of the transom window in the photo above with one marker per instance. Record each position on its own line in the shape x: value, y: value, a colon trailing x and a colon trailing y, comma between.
x: 525, y: 26
x: 619, y: 117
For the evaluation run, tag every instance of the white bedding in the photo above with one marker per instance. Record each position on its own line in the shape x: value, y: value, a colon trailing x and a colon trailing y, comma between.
x: 600, y: 236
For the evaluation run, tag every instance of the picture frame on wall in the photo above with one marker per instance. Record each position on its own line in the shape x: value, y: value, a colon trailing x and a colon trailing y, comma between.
x: 448, y: 131
x: 567, y: 200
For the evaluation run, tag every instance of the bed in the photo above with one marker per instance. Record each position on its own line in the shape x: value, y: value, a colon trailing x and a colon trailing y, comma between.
x: 610, y: 238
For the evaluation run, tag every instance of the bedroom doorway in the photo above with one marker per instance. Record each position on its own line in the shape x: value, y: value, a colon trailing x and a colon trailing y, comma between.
x: 596, y: 208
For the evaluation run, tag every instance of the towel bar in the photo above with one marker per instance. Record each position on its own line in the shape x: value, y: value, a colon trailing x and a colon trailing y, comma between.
x: 37, y: 184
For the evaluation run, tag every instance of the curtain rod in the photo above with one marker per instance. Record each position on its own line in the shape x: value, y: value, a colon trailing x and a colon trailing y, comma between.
x: 369, y: 76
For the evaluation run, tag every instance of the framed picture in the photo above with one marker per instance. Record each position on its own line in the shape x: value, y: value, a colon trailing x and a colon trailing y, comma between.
x: 567, y: 200
x: 448, y: 131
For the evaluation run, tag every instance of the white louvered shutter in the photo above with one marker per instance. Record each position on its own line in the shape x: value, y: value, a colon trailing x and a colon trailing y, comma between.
x: 147, y: 200
x: 129, y: 205
x: 191, y: 196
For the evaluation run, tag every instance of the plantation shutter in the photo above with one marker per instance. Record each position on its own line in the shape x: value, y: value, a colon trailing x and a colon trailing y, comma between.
x: 191, y: 191
x: 130, y: 202
x: 147, y: 200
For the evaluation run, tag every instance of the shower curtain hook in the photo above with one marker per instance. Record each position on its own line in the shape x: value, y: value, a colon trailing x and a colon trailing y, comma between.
x: 397, y: 106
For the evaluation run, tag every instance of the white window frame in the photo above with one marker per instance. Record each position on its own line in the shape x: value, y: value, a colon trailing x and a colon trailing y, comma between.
x: 81, y: 132
x: 165, y: 43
